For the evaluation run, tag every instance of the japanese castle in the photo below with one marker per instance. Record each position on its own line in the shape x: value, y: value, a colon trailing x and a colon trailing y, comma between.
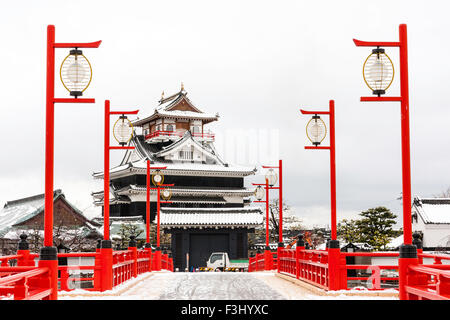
x: 210, y: 209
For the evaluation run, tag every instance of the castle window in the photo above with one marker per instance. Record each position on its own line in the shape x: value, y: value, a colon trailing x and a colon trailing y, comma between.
x: 186, y: 155
x: 170, y: 127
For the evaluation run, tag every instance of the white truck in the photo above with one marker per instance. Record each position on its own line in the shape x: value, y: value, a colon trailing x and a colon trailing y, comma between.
x: 219, y: 261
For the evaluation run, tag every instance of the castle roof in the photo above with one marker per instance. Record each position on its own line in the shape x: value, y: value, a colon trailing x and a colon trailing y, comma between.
x: 211, y: 217
x: 171, y: 108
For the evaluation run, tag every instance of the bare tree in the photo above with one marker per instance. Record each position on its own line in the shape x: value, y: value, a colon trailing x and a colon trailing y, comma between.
x: 443, y: 194
x: 290, y: 222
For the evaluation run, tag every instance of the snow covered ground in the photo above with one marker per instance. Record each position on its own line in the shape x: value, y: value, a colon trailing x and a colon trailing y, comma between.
x: 211, y: 286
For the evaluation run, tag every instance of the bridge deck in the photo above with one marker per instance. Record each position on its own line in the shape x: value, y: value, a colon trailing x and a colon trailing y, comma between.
x: 206, y: 286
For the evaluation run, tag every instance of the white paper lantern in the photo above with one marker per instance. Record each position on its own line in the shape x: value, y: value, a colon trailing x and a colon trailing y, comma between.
x: 271, y: 176
x: 76, y: 73
x: 259, y: 193
x: 123, y: 130
x: 378, y: 71
x: 316, y: 130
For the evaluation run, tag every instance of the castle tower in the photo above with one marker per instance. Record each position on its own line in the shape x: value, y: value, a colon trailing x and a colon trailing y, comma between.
x: 210, y: 209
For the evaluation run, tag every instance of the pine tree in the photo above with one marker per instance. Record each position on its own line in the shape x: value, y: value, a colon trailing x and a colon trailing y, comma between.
x: 375, y: 227
x: 348, y: 231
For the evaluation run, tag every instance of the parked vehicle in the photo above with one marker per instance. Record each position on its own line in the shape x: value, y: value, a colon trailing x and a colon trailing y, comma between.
x: 219, y: 261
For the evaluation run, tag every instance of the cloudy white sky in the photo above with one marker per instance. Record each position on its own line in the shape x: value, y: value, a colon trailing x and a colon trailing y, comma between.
x: 254, y: 62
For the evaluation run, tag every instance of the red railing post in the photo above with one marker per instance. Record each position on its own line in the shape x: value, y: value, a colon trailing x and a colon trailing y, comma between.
x: 268, y: 261
x: 106, y: 256
x: 63, y: 279
x: 97, y: 267
x: 132, y: 247
x: 47, y: 261
x: 157, y: 255
x: 149, y: 255
x: 406, y: 276
x: 298, y: 254
x: 334, y: 265
x: 23, y: 251
x: 342, y: 272
x: 418, y: 243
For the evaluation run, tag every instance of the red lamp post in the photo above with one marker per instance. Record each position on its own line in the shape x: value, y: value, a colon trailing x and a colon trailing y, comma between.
x: 158, y: 182
x: 408, y: 251
x: 271, y: 178
x: 48, y: 254
x: 106, y: 244
x: 259, y: 193
x: 316, y: 131
x: 280, y: 205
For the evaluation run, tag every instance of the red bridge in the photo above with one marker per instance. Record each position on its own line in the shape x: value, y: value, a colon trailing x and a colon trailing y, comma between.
x: 327, y: 269
x: 26, y: 281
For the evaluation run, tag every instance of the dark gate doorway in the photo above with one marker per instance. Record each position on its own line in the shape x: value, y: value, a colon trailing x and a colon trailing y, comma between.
x: 202, y: 245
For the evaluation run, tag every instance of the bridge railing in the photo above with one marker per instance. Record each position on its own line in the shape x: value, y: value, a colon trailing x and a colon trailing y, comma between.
x: 263, y: 261
x: 79, y: 276
x: 313, y: 267
x: 429, y: 282
x: 124, y: 264
x: 108, y: 269
x: 327, y: 269
x: 25, y: 283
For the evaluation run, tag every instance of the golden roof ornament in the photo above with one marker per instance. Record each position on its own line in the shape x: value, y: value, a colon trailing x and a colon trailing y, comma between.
x: 182, y: 86
x: 162, y: 95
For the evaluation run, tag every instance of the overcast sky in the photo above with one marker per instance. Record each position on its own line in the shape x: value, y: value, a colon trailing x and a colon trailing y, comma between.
x: 254, y: 62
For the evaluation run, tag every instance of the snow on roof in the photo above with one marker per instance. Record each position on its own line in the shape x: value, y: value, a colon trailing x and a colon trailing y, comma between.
x: 197, y: 167
x: 181, y: 217
x: 189, y: 190
x: 395, y: 243
x: 177, y: 114
x: 186, y: 139
x: 141, y: 166
x: 433, y: 210
x: 20, y: 210
x: 165, y: 106
x: 188, y: 114
x: 117, y: 222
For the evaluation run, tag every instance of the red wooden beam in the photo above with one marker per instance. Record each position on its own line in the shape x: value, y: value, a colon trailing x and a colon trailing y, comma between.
x: 314, y: 112
x: 360, y: 43
x: 73, y: 100
x: 381, y: 99
x: 124, y: 112
x: 318, y: 147
x: 118, y: 148
x: 95, y: 44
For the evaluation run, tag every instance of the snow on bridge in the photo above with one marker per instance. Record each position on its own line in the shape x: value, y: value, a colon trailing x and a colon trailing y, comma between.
x: 212, y: 286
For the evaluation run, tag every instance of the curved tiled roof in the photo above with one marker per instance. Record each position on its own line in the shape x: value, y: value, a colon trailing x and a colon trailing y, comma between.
x: 433, y: 210
x: 211, y: 217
